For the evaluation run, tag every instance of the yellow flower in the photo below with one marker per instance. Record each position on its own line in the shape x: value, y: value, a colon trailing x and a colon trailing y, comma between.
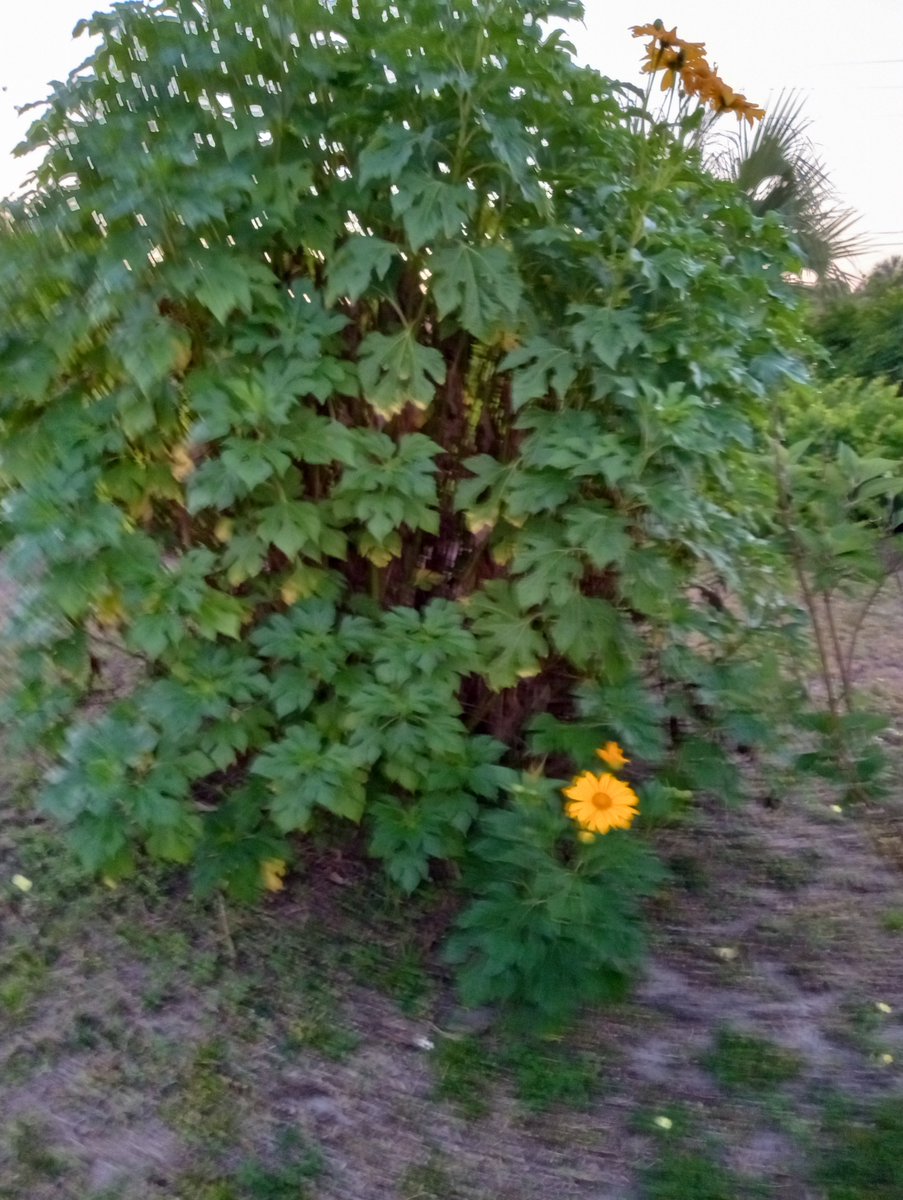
x: 613, y: 756
x: 655, y: 30
x: 601, y: 802
x: 22, y: 882
x: 272, y: 871
x: 108, y: 610
x: 669, y: 53
x: 745, y: 109
x: 181, y: 463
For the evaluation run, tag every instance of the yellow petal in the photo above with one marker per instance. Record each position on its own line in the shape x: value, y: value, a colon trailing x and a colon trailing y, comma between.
x: 272, y: 871
x: 613, y: 756
x: 109, y: 611
x: 181, y: 463
x: 23, y: 883
x: 223, y: 530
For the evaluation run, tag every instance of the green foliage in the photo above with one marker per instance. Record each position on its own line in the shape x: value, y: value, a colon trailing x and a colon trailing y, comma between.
x: 543, y: 1075
x: 386, y: 415
x: 863, y: 414
x: 691, y: 1173
x: 835, y: 506
x: 864, y: 1156
x: 553, y: 921
x: 861, y: 330
x: 286, y: 1179
x: 465, y: 1070
x: 745, y: 1063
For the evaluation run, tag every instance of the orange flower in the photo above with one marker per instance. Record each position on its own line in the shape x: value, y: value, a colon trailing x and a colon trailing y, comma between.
x: 745, y: 109
x: 685, y: 63
x: 672, y: 55
x: 599, y: 803
x: 698, y: 79
x: 719, y: 95
x: 613, y: 756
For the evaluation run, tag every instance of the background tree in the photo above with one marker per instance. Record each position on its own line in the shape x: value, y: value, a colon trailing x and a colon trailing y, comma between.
x: 778, y: 168
x: 861, y: 330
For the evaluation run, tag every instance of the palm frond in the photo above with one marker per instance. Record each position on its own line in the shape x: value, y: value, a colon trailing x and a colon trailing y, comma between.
x: 779, y: 169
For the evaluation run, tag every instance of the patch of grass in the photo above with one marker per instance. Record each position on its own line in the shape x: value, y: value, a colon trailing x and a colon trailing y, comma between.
x: 742, y: 1062
x: 466, y: 1071
x: 285, y: 1180
x: 694, y: 1175
x: 283, y: 1175
x: 543, y: 1076
x: 892, y: 921
x: 546, y: 1077
x: 403, y: 977
x: 385, y: 953
x: 317, y: 1028
x: 205, y: 1107
x: 864, y: 1157
x: 863, y: 1025
x: 30, y: 1157
x: 23, y: 974
x: 427, y: 1181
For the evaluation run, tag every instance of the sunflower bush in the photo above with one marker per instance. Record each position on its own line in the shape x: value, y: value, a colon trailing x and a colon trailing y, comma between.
x: 380, y: 392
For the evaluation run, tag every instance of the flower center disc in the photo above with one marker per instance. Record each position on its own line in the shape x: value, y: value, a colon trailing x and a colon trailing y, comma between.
x: 602, y: 801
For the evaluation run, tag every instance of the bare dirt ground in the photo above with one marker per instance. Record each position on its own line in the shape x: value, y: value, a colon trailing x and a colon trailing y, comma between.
x: 139, y: 1060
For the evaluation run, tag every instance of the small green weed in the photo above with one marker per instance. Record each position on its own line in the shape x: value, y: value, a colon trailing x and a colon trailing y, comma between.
x: 865, y: 1158
x: 744, y: 1063
x: 22, y: 977
x: 694, y: 1175
x: 892, y: 922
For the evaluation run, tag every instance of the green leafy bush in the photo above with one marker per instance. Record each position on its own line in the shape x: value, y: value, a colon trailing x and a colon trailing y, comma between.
x: 861, y: 330
x: 383, y: 386
x: 863, y: 414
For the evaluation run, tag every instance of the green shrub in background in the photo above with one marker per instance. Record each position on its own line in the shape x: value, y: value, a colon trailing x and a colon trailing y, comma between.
x: 385, y: 385
x: 864, y: 414
x: 860, y: 330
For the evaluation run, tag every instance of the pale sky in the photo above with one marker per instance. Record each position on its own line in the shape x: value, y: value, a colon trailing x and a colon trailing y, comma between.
x: 845, y: 57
